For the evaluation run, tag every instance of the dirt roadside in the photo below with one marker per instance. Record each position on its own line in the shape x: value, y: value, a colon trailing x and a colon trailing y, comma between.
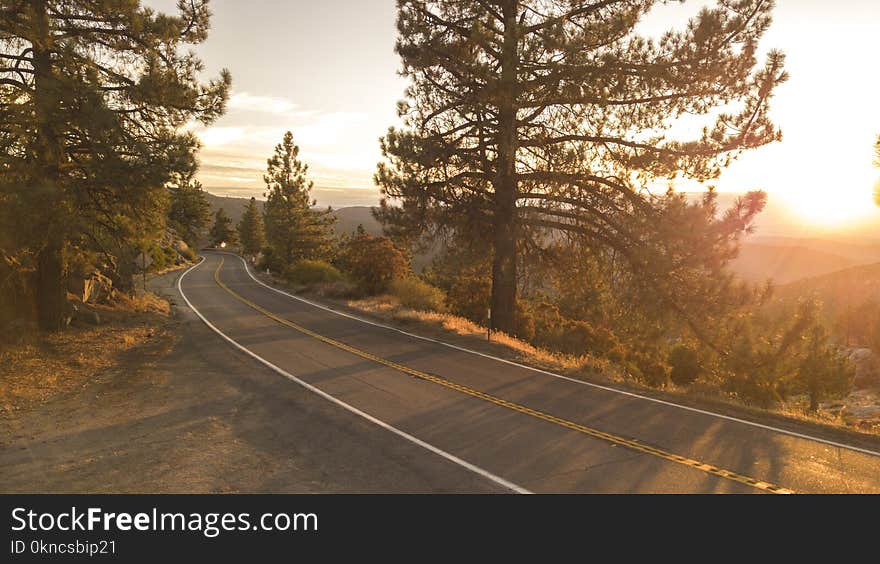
x: 181, y: 412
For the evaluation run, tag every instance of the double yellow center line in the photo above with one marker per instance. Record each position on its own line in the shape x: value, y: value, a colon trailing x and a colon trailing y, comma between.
x: 608, y: 437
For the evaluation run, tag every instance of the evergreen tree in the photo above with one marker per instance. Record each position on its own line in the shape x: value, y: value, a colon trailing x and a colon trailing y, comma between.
x: 294, y: 230
x: 93, y: 96
x: 221, y: 231
x: 531, y: 115
x: 189, y: 211
x: 823, y: 372
x: 250, y: 229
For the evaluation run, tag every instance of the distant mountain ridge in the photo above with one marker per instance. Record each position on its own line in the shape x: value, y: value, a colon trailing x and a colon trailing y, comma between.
x: 838, y: 290
x: 783, y: 259
x: 347, y: 219
x: 783, y: 264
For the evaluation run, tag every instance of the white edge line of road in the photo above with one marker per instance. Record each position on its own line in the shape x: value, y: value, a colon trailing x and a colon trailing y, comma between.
x: 451, y: 457
x: 560, y: 376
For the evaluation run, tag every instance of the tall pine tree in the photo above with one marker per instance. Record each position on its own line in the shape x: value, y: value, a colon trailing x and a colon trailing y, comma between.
x: 294, y: 230
x: 189, y: 211
x: 221, y: 232
x: 93, y: 96
x: 530, y: 115
x: 250, y: 229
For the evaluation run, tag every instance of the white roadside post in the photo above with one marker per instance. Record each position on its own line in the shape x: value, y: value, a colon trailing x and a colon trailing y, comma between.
x: 489, y: 326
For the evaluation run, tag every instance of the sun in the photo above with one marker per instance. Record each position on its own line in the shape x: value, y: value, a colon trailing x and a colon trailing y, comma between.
x: 833, y: 208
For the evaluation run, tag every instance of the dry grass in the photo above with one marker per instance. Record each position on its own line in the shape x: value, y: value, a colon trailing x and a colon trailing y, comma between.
x: 44, y: 366
x: 450, y: 327
x: 389, y: 308
x: 141, y: 303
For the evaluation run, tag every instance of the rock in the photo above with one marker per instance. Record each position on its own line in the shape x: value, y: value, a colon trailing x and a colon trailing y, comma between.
x: 181, y: 247
x: 88, y: 316
x: 866, y: 366
x: 97, y: 289
x: 81, y: 314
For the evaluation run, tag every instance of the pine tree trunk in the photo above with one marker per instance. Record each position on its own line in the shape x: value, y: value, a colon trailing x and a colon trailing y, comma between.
x: 505, y: 184
x: 50, y: 261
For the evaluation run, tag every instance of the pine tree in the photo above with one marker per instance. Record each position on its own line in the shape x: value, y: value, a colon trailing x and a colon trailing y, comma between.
x: 531, y: 115
x: 250, y: 229
x: 221, y: 232
x: 189, y: 211
x: 294, y: 230
x: 823, y: 372
x: 93, y: 96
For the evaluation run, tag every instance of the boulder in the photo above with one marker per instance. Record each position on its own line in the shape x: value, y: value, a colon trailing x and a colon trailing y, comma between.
x: 97, y: 289
x: 80, y: 314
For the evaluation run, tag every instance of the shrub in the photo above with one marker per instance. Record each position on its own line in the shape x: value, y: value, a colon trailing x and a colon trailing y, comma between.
x: 162, y: 257
x: 419, y: 295
x: 312, y: 272
x: 570, y: 336
x: 271, y: 261
x: 469, y: 296
x: 373, y: 262
x: 649, y: 369
x: 686, y: 365
x: 525, y: 324
x: 824, y: 371
x: 341, y: 289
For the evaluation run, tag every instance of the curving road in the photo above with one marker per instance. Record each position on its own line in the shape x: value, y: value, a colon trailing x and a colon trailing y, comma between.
x: 506, y: 426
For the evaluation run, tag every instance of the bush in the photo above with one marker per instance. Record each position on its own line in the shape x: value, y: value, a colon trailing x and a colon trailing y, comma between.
x: 470, y: 296
x: 570, y: 336
x: 416, y: 294
x: 824, y: 372
x: 649, y: 369
x: 312, y: 272
x: 271, y: 261
x: 373, y: 262
x: 162, y: 257
x: 525, y: 324
x: 686, y: 365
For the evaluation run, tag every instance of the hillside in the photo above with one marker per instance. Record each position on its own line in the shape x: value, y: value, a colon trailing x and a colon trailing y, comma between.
x: 347, y: 219
x: 839, y: 290
x: 785, y: 264
x: 234, y: 207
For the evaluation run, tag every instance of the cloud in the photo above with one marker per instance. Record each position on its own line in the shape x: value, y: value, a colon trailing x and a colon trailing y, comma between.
x: 221, y: 136
x: 263, y: 104
x: 338, y: 146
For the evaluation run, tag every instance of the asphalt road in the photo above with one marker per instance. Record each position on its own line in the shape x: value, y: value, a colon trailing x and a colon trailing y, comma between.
x: 483, y: 421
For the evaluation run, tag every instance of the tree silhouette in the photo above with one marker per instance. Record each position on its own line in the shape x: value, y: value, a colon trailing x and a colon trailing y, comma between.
x: 530, y: 115
x: 189, y: 210
x: 93, y: 96
x: 250, y: 229
x: 222, y: 232
x: 293, y: 229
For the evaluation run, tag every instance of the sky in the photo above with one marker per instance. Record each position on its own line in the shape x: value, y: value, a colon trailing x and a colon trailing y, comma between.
x: 327, y: 71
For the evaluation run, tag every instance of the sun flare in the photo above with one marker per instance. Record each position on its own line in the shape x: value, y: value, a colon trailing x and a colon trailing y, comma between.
x: 838, y: 208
